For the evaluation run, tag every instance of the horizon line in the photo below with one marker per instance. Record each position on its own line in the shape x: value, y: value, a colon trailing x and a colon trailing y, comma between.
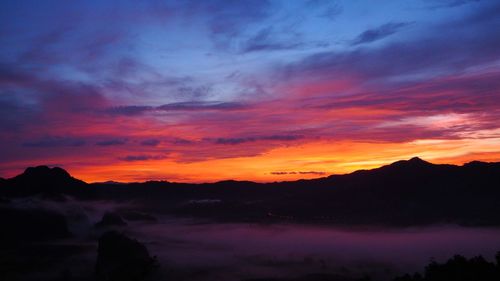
x: 251, y: 181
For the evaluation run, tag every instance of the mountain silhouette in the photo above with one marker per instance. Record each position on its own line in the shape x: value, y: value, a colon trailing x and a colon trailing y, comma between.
x: 407, y: 192
x: 44, y: 181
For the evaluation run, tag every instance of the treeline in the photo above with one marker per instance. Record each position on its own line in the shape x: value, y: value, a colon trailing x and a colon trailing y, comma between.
x: 458, y: 268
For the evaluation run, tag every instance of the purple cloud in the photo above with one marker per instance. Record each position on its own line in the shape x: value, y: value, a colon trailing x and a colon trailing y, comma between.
x: 142, y: 157
x: 133, y: 110
x: 234, y: 141
x: 150, y: 142
x: 111, y: 142
x: 54, y: 141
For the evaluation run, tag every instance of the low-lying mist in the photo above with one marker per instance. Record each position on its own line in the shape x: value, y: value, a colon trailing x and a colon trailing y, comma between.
x: 191, y: 249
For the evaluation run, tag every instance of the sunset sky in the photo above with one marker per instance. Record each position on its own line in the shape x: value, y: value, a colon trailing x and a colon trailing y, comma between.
x: 195, y: 91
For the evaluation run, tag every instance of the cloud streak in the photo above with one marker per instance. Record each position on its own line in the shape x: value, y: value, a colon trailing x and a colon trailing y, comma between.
x: 234, y: 141
x: 111, y: 142
x: 132, y: 110
x: 379, y: 33
x: 49, y: 142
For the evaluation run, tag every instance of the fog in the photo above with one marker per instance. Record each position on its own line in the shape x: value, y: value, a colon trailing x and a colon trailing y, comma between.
x: 190, y: 249
x: 278, y: 250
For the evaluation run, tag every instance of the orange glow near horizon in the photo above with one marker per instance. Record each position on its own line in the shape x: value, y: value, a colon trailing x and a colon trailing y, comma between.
x: 304, y: 161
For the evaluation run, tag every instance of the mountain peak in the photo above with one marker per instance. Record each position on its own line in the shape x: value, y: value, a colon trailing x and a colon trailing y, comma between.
x: 411, y: 163
x: 476, y: 163
x: 44, y: 180
x: 45, y: 171
x: 44, y: 175
x: 417, y: 160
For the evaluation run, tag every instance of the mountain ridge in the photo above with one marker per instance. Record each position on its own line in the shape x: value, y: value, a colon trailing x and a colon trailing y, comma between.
x: 55, y: 171
x: 43, y: 180
x: 407, y: 192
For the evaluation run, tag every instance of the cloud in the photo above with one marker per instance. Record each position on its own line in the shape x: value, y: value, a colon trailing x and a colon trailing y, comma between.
x: 15, y: 112
x: 462, y: 94
x: 199, y: 105
x: 129, y: 110
x: 280, y: 173
x: 190, y: 92
x: 311, y: 173
x: 234, y: 141
x: 142, y: 157
x: 181, y: 141
x: 55, y: 141
x: 42, y: 49
x: 332, y: 11
x: 111, y: 142
x: 436, y: 4
x: 150, y: 142
x: 451, y: 48
x: 381, y: 32
x: 42, y: 100
x: 227, y: 20
x: 132, y: 110
x: 282, y: 137
x: 326, y: 8
x: 267, y: 40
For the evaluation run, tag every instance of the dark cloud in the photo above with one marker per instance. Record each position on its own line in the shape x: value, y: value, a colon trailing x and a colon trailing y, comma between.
x: 150, y: 142
x: 381, y: 32
x: 266, y: 40
x: 11, y: 76
x: 311, y: 173
x: 196, y: 105
x: 55, y: 141
x: 132, y: 110
x: 129, y: 110
x: 189, y: 92
x: 282, y: 137
x: 435, y: 4
x: 234, y: 141
x: 111, y: 142
x: 279, y: 173
x: 181, y: 141
x: 142, y: 157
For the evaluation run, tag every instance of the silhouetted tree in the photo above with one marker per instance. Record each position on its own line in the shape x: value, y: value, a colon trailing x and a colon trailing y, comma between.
x: 123, y: 259
x: 459, y: 268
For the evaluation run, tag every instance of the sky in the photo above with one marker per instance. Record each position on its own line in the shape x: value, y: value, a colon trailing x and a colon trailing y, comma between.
x: 201, y: 91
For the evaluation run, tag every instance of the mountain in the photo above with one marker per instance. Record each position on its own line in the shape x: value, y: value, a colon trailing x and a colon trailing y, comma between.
x: 407, y: 192
x: 45, y: 181
x: 416, y: 191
